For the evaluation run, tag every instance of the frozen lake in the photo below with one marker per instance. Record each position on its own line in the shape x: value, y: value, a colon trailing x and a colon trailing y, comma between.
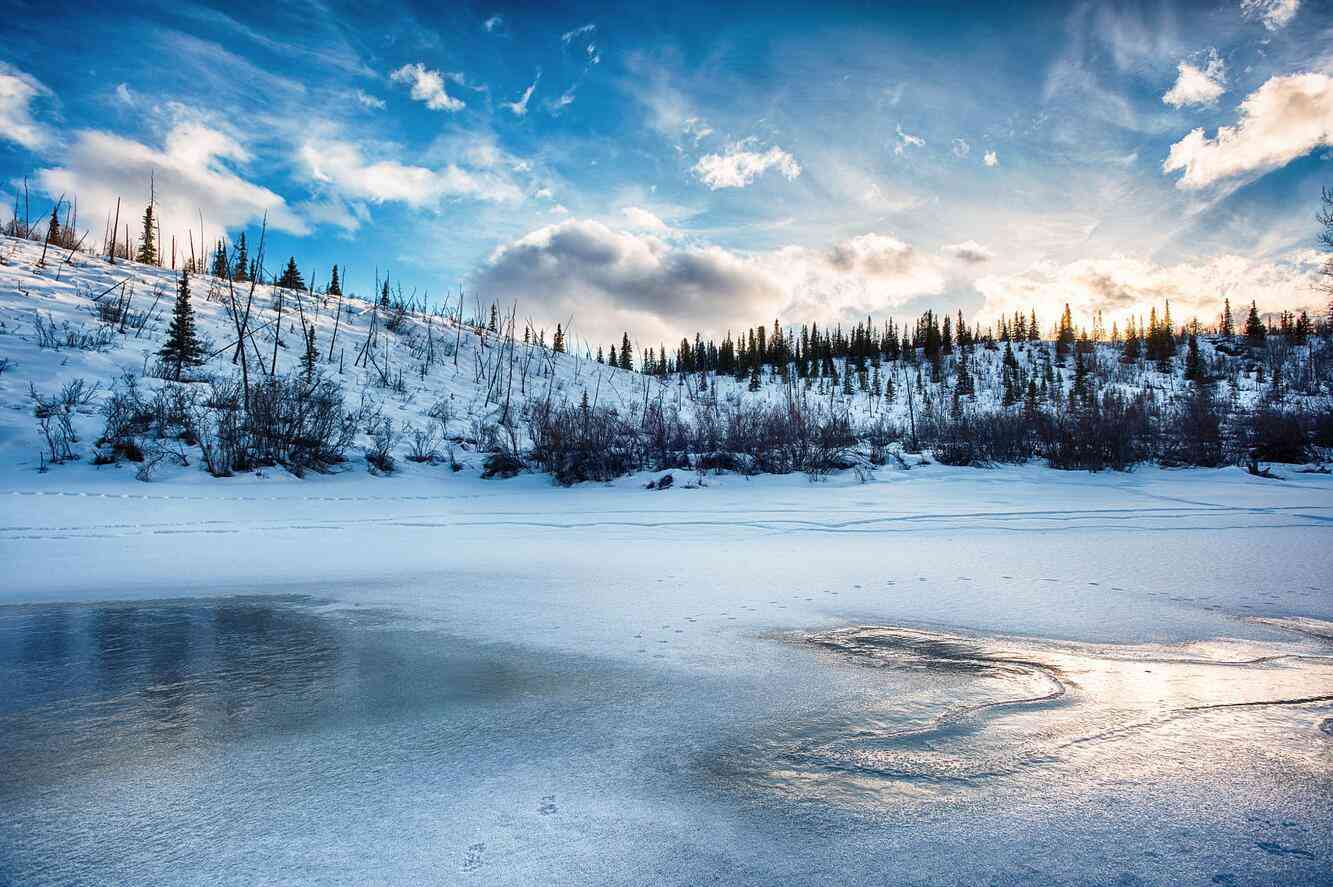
x: 889, y: 683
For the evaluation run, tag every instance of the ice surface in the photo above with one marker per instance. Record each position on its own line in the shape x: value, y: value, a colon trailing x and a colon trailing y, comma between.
x: 438, y: 679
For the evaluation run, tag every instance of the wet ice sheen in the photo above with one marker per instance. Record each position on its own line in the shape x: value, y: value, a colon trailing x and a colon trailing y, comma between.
x: 232, y: 740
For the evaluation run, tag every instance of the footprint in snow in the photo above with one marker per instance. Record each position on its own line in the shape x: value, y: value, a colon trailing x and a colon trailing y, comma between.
x: 547, y: 807
x: 472, y: 861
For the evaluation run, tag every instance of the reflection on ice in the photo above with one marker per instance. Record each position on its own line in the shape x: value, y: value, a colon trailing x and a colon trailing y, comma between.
x: 963, y: 714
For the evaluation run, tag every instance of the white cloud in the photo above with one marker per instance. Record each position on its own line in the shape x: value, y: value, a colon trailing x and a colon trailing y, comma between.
x: 492, y: 23
x: 124, y: 95
x: 612, y: 280
x: 643, y: 220
x: 907, y: 140
x: 1127, y: 287
x: 961, y: 148
x: 520, y: 107
x: 738, y: 167
x: 594, y: 57
x: 1275, y: 14
x: 970, y: 251
x: 564, y: 100
x: 192, y: 173
x: 991, y: 159
x: 368, y: 101
x: 1195, y: 86
x: 18, y: 91
x: 342, y: 167
x: 427, y: 86
x: 577, y: 32
x: 696, y: 129
x: 1284, y: 119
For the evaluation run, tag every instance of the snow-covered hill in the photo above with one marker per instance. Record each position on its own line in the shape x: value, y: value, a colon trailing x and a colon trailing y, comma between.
x: 451, y: 392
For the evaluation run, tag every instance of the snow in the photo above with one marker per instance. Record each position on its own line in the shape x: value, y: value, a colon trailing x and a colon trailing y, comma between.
x: 430, y: 677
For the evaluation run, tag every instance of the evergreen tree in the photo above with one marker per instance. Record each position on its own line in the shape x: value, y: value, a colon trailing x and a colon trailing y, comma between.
x: 182, y: 348
x: 1227, y: 327
x: 558, y: 343
x: 1193, y: 364
x: 600, y: 357
x: 53, y: 226
x: 291, y: 278
x: 614, y: 361
x: 242, y: 258
x: 754, y: 376
x: 1255, y: 332
x: 220, y: 260
x: 1064, y: 337
x: 384, y: 294
x: 626, y: 355
x: 335, y: 283
x: 147, y: 249
x: 1030, y: 403
x: 310, y: 357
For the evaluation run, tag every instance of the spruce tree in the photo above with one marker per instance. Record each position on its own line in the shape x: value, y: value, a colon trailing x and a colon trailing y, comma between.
x: 291, y: 278
x: 1255, y: 332
x: 384, y: 294
x: 220, y: 260
x: 1193, y: 364
x: 557, y: 344
x: 53, y: 226
x: 1227, y: 328
x: 147, y: 250
x: 1065, y: 335
x: 182, y: 348
x: 310, y: 357
x: 335, y: 283
x: 626, y: 355
x: 242, y: 259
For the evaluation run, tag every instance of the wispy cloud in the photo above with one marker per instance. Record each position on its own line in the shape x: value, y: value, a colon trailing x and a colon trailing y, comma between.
x: 738, y: 167
x: 18, y: 93
x: 1286, y: 118
x: 1275, y: 14
x: 569, y: 36
x: 520, y: 108
x: 907, y: 140
x: 427, y: 86
x: 368, y: 101
x: 494, y: 23
x: 1198, y: 86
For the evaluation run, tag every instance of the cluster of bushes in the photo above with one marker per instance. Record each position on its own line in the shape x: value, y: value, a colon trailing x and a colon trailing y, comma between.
x: 288, y: 421
x: 582, y: 442
x: 1117, y: 432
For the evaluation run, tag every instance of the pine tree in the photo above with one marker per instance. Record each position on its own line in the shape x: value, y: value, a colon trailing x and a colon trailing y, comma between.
x: 310, y: 357
x: 384, y: 294
x: 335, y: 283
x: 493, y: 325
x: 600, y: 356
x: 242, y: 258
x: 1227, y: 327
x: 754, y: 376
x: 626, y: 355
x: 613, y: 361
x: 1064, y: 337
x: 1255, y: 332
x: 53, y: 226
x: 220, y: 260
x: 1030, y: 408
x: 291, y: 278
x: 1193, y: 364
x: 558, y: 343
x: 147, y: 250
x: 182, y: 348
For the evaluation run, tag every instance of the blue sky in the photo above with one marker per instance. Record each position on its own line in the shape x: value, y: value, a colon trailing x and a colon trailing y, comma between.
x: 700, y: 166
